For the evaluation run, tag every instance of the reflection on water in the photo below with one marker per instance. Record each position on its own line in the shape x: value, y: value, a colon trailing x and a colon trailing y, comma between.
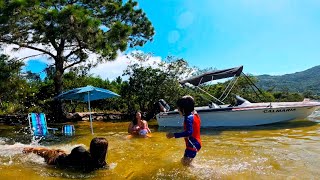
x: 282, y: 151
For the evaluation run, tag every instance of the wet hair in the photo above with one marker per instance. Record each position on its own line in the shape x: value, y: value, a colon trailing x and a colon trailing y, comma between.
x: 78, y: 151
x: 79, y: 158
x: 135, y: 121
x: 98, y: 151
x: 186, y: 105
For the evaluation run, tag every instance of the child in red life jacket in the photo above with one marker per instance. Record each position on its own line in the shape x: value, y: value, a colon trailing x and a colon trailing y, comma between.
x: 191, y: 131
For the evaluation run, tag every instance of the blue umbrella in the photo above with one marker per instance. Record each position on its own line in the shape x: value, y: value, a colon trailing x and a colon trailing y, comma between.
x: 87, y: 94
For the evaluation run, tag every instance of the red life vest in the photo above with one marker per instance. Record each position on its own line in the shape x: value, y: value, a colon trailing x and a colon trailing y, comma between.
x: 193, y: 141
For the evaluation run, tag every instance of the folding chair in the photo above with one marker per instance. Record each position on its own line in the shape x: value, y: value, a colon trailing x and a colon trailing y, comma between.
x: 38, y: 125
x: 68, y: 130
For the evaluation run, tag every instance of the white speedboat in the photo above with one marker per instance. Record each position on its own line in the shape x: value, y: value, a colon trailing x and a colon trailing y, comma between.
x: 244, y: 113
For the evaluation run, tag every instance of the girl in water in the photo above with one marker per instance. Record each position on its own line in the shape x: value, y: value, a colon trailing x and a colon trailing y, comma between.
x: 138, y: 126
x: 79, y: 158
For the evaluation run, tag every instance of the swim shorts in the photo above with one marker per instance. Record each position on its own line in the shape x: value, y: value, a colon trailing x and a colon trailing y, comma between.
x: 190, y: 153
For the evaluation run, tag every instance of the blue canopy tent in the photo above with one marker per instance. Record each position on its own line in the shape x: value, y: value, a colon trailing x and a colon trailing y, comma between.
x: 87, y: 94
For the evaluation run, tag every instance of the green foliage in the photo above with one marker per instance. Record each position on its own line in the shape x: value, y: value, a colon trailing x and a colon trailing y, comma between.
x: 287, y: 96
x: 68, y: 31
x: 311, y: 95
x: 9, y: 71
x: 147, y: 84
x: 25, y: 92
x: 299, y: 82
x: 244, y: 88
x: 10, y: 82
x: 17, y: 90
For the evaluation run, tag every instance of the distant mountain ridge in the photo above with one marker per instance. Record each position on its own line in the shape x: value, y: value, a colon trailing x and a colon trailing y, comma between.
x: 304, y: 81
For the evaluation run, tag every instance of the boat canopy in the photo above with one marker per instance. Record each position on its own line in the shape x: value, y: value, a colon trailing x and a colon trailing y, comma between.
x: 213, y: 75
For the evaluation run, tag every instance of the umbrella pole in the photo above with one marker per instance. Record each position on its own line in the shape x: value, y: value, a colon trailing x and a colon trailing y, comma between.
x: 90, y: 113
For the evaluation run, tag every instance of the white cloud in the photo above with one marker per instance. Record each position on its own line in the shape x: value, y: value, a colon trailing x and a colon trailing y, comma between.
x: 108, y: 70
x: 112, y: 69
x: 24, y: 52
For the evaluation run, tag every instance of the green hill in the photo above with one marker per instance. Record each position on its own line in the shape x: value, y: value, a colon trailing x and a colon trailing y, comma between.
x: 304, y: 81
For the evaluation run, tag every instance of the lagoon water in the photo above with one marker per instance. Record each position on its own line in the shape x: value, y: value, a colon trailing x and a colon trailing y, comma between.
x: 281, y: 151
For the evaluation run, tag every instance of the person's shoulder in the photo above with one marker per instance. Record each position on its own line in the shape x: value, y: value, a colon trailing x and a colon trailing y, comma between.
x: 144, y: 121
x: 189, y: 117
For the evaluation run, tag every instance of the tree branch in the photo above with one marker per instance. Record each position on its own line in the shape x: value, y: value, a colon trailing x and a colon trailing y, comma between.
x: 72, y: 64
x: 27, y: 46
x: 53, y: 42
x: 30, y: 56
x: 72, y: 52
x: 37, y: 49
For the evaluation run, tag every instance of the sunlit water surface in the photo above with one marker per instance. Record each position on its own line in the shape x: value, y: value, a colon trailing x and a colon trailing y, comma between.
x: 281, y: 151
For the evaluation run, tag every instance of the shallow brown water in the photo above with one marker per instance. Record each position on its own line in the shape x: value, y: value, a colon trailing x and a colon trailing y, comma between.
x: 280, y: 151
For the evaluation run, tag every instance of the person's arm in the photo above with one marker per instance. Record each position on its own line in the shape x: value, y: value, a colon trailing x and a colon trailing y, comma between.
x: 41, y: 151
x: 189, y: 128
x: 47, y: 154
x: 147, y: 127
x: 149, y: 131
x: 131, y: 130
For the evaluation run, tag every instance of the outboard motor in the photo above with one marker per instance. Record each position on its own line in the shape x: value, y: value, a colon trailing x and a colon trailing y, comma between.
x: 163, y: 105
x: 159, y: 106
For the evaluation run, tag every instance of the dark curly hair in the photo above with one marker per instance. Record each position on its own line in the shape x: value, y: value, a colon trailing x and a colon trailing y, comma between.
x: 186, y: 105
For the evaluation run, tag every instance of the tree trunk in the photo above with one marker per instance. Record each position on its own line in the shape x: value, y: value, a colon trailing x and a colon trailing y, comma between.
x: 58, y: 115
x: 58, y: 83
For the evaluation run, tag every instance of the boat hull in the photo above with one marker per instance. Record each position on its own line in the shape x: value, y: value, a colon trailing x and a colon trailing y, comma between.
x: 239, y: 116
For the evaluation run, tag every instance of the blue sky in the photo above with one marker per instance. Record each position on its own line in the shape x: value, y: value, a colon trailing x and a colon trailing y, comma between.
x: 266, y: 36
x: 36, y: 66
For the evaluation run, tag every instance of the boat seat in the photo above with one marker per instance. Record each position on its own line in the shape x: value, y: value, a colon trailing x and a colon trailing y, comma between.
x: 241, y: 101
